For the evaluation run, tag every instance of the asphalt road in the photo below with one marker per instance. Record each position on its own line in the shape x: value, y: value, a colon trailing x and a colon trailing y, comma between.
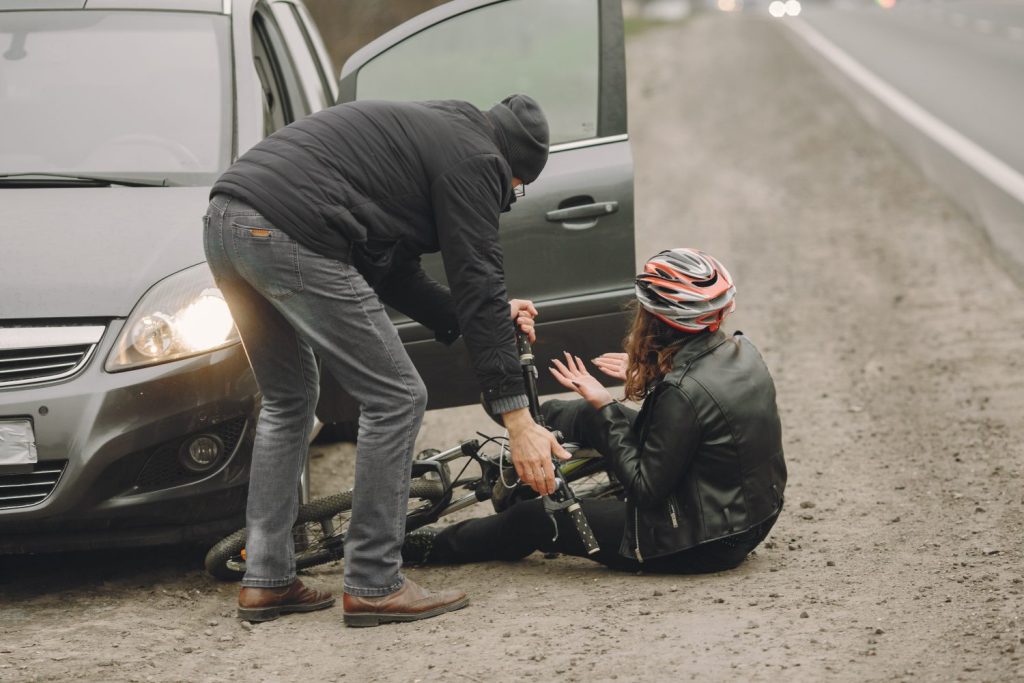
x: 962, y: 60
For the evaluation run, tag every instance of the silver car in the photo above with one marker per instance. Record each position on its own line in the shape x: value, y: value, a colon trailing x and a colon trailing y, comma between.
x: 127, y: 406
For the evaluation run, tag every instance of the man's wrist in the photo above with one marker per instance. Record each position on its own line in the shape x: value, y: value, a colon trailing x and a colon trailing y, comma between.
x: 517, y: 420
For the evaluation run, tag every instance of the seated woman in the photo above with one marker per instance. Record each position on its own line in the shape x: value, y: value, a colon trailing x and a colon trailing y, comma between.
x: 701, y: 463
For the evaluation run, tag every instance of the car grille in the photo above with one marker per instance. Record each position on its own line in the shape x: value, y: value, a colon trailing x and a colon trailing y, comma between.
x: 31, y: 355
x: 30, y: 488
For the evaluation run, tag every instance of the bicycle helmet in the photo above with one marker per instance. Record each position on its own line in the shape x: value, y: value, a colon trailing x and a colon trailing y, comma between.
x: 686, y: 289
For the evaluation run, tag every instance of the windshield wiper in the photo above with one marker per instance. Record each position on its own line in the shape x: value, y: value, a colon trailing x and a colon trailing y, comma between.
x: 28, y: 178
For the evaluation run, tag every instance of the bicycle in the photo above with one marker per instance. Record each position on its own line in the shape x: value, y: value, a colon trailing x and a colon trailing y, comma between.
x: 319, y: 530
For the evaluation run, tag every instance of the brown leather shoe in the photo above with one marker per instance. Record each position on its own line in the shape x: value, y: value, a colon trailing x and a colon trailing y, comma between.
x: 409, y: 603
x: 265, y: 604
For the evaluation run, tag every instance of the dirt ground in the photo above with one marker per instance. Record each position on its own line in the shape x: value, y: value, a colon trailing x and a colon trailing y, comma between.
x: 896, y: 345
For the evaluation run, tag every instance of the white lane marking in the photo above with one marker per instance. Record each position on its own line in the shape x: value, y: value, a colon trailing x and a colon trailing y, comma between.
x: 997, y: 171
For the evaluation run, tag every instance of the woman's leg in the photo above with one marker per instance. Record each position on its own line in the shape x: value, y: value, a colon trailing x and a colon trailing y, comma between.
x: 525, y: 528
x: 569, y: 418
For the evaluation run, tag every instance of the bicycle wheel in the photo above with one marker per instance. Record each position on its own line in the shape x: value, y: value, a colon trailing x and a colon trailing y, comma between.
x: 319, y: 533
x: 589, y: 478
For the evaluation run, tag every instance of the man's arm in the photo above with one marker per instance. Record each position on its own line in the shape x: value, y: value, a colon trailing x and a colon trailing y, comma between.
x: 467, y: 201
x: 409, y: 290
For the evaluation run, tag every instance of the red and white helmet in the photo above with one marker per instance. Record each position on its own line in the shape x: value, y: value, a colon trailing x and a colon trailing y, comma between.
x: 687, y: 289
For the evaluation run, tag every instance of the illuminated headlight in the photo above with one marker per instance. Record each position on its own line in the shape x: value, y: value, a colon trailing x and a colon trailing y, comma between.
x: 184, y: 315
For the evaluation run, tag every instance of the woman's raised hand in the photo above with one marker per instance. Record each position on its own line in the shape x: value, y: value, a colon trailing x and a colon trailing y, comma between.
x: 573, y: 375
x: 613, y: 365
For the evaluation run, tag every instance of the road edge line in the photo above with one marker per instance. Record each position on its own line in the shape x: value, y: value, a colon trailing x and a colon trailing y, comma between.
x: 983, y: 162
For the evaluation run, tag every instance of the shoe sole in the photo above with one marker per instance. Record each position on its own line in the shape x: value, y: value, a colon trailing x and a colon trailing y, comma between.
x: 363, y: 619
x: 258, y: 614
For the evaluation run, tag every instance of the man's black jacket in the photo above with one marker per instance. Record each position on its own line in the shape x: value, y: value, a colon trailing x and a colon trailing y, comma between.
x: 703, y: 459
x: 378, y: 184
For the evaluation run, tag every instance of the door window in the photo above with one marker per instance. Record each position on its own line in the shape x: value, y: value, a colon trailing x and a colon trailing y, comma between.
x: 283, y: 100
x: 548, y: 50
x: 314, y: 80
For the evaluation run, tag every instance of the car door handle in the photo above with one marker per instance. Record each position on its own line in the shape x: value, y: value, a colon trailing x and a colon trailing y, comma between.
x: 574, y: 217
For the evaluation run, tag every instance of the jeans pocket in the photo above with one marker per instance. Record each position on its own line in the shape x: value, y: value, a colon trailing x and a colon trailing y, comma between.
x: 265, y: 257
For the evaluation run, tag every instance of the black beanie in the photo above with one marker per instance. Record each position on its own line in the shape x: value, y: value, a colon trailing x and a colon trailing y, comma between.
x: 526, y: 134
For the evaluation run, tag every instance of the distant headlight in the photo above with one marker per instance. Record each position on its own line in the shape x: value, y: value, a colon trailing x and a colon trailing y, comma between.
x: 181, y: 316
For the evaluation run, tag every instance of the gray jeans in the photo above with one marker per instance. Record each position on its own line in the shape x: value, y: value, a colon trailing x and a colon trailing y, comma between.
x: 289, y: 303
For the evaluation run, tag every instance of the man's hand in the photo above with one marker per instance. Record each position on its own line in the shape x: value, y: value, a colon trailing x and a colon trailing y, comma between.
x: 523, y: 313
x: 573, y: 376
x: 532, y: 447
x: 613, y: 365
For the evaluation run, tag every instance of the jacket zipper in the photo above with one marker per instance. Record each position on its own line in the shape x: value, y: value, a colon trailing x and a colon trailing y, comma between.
x: 636, y: 534
x: 672, y: 513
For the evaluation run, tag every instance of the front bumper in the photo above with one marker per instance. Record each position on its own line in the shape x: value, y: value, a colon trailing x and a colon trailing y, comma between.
x: 116, y: 435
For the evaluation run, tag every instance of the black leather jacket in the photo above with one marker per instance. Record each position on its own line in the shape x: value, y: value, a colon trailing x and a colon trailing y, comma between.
x: 703, y: 458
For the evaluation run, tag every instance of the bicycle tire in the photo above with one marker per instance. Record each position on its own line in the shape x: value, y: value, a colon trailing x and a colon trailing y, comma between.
x: 226, y: 560
x: 593, y: 480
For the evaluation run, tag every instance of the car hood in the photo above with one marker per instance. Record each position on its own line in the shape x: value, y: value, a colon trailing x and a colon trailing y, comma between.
x: 88, y: 252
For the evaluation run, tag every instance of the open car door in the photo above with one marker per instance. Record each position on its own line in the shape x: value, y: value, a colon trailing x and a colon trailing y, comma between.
x: 568, y: 244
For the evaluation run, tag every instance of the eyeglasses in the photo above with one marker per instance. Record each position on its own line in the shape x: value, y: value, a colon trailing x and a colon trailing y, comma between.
x: 519, y: 190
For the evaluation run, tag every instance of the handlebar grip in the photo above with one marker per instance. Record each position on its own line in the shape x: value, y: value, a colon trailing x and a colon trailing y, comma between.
x: 583, y: 528
x: 523, y: 345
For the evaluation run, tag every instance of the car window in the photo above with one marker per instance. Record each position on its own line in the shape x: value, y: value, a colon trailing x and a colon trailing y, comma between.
x: 303, y: 52
x: 546, y: 49
x: 283, y: 99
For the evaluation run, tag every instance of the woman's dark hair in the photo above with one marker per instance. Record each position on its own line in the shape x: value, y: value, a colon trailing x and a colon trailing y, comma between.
x: 650, y: 345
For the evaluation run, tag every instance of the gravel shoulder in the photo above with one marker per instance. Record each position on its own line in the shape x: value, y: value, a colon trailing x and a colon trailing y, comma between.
x: 895, y: 341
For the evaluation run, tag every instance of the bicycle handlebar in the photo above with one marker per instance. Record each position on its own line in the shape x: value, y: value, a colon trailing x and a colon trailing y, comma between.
x: 563, y: 498
x: 526, y: 360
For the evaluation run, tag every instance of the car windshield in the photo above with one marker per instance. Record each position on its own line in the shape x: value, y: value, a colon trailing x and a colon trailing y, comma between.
x: 141, y: 95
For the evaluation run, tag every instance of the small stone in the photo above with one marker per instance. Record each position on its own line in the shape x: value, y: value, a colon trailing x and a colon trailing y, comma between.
x: 246, y: 626
x: 645, y: 612
x: 804, y: 615
x: 879, y: 631
x: 506, y: 634
x: 807, y: 504
x: 207, y: 632
x: 774, y: 595
x: 658, y: 594
x: 830, y: 563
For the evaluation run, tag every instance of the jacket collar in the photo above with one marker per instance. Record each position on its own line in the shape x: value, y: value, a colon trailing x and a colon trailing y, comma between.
x: 700, y: 344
